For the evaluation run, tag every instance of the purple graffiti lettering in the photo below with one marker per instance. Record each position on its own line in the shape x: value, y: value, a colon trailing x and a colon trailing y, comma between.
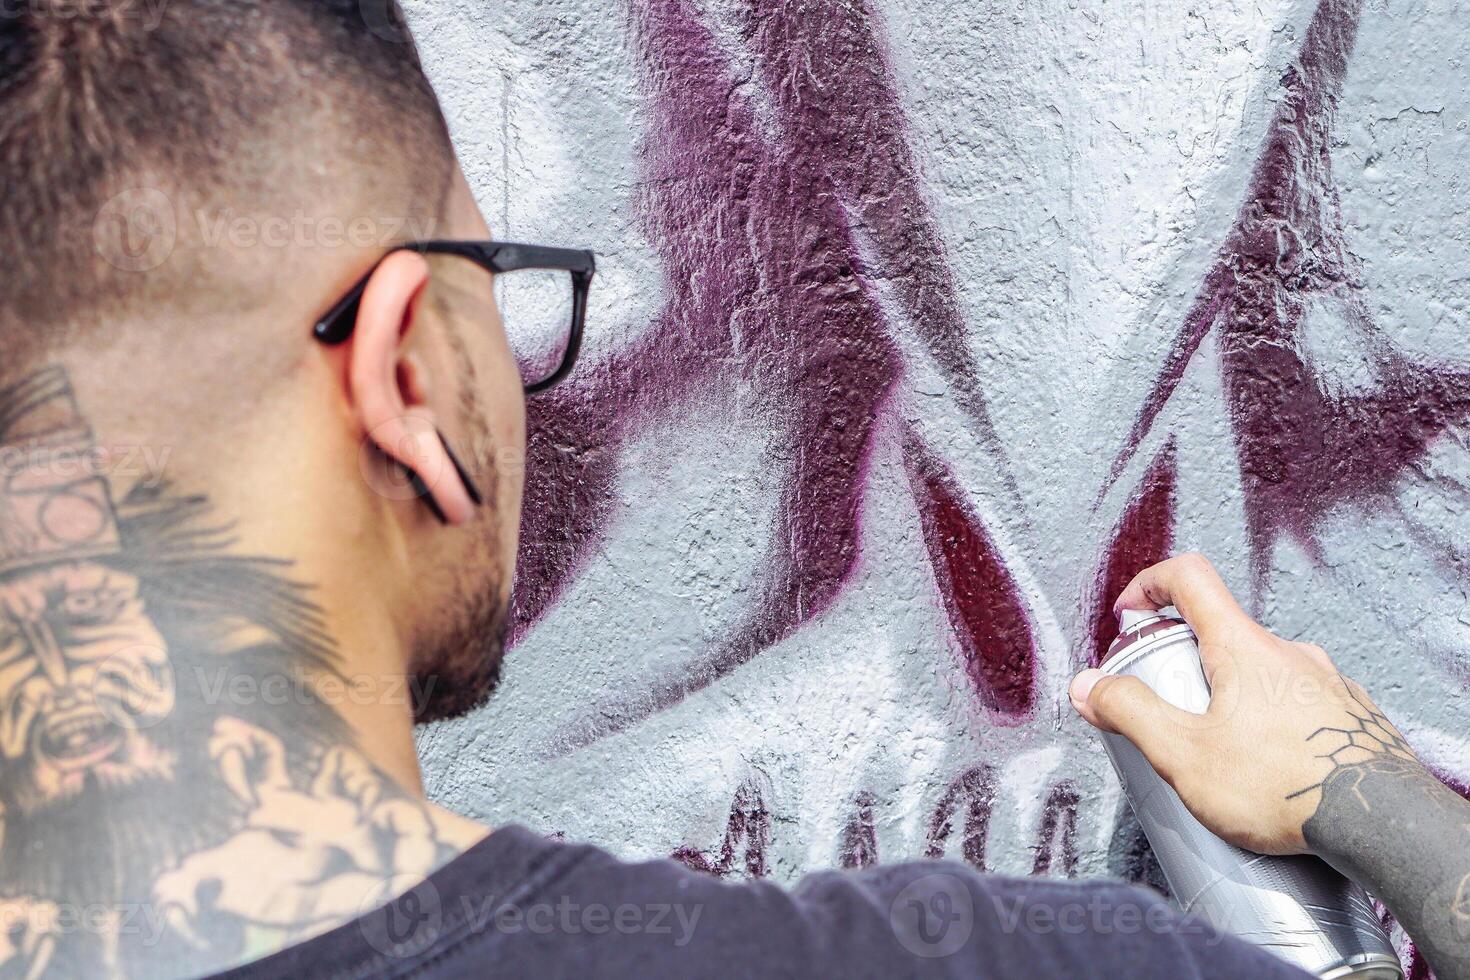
x: 1303, y: 449
x: 763, y: 241
x: 974, y: 790
x: 859, y: 847
x: 749, y: 827
x: 1056, y: 838
x: 827, y: 71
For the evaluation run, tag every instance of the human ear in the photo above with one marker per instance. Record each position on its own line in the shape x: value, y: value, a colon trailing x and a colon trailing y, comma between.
x: 388, y: 387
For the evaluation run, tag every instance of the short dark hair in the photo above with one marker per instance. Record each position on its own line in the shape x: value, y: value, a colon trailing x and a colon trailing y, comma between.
x: 258, y: 103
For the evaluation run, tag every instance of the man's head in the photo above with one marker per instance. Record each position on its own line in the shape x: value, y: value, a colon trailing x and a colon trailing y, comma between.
x: 187, y: 186
x: 252, y: 108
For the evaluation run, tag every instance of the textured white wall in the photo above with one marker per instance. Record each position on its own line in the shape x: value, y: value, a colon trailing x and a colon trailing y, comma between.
x: 1084, y: 163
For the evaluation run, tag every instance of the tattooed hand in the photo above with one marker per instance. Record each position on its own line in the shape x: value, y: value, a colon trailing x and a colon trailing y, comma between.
x: 319, y: 855
x: 1292, y: 757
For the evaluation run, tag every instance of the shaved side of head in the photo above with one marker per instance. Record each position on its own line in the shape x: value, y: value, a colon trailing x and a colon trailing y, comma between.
x: 157, y: 159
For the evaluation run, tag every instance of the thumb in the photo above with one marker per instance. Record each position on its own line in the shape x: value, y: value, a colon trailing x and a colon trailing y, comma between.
x: 1127, y: 706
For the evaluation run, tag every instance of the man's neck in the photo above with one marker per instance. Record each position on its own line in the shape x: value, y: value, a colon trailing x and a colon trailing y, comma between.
x: 192, y: 766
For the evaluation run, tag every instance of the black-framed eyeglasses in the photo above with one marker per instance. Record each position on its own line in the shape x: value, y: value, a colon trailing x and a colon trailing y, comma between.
x: 544, y: 318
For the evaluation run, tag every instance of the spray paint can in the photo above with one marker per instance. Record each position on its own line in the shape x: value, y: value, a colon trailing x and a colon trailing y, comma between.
x: 1297, y: 907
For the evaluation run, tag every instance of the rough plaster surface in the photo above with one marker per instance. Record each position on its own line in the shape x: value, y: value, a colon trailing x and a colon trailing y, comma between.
x: 919, y: 328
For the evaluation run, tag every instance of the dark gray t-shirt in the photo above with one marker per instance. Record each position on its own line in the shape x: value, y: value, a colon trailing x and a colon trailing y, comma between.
x: 518, y: 905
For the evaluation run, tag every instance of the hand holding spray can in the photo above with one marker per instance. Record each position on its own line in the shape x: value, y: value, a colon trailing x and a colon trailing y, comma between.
x: 1298, y: 907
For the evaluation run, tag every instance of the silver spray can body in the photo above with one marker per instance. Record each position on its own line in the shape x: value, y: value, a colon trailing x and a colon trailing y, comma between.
x: 1297, y: 907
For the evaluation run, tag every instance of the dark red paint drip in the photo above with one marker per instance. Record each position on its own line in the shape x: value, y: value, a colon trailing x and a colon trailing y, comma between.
x: 988, y: 616
x: 1057, y: 836
x: 974, y: 791
x: 859, y: 847
x: 749, y: 828
x: 1144, y: 536
x: 1303, y: 450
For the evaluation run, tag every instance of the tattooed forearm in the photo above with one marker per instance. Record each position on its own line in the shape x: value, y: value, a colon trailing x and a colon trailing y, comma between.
x: 1387, y: 822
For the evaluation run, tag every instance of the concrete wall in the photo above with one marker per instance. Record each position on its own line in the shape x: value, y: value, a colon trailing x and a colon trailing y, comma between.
x: 921, y: 326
